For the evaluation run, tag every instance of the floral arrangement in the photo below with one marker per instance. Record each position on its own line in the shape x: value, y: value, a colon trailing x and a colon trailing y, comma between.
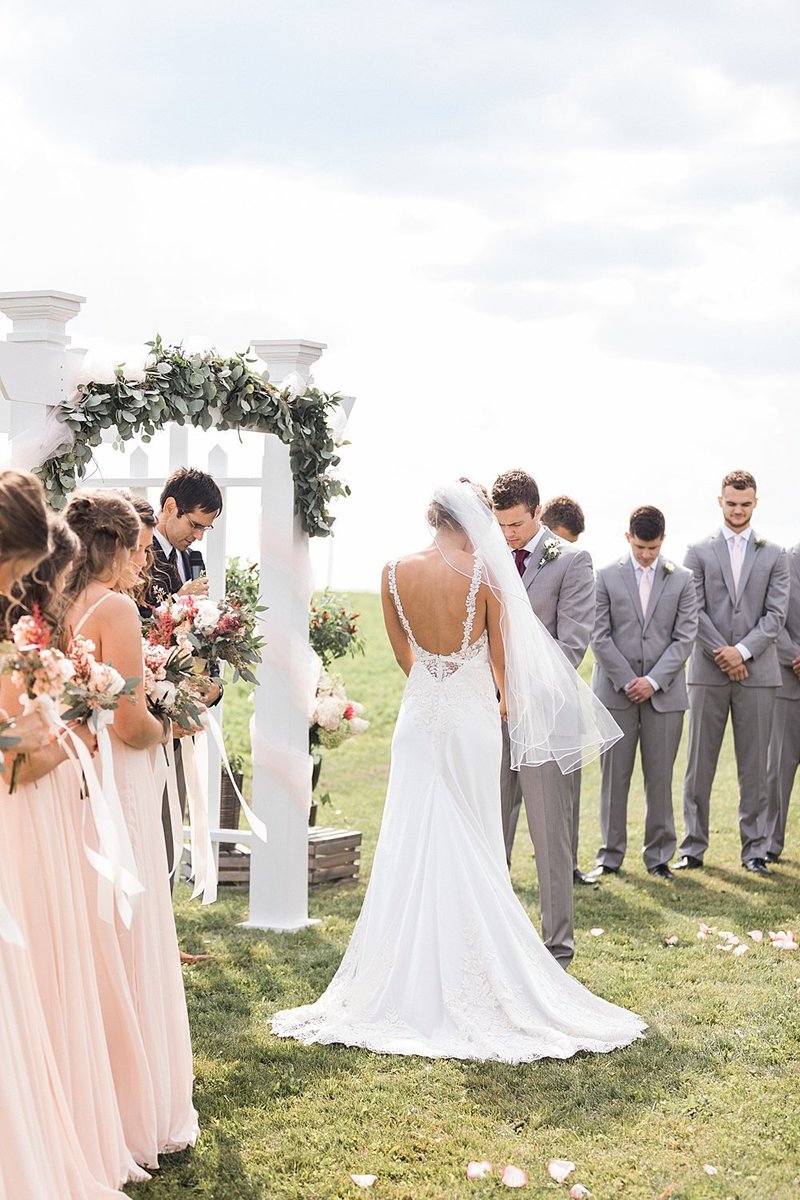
x: 668, y: 567
x: 204, y: 389
x: 210, y: 631
x: 334, y: 718
x: 171, y: 687
x: 332, y: 629
x: 551, y: 550
x: 760, y: 541
x: 94, y: 687
x: 60, y: 687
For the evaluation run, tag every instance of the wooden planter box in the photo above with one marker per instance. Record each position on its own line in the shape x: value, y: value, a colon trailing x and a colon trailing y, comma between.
x: 333, y: 854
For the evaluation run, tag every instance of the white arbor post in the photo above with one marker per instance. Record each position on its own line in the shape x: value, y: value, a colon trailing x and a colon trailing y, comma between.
x: 281, y: 762
x: 32, y: 357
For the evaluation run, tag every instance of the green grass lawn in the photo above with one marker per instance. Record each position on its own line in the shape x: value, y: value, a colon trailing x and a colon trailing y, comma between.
x: 716, y: 1080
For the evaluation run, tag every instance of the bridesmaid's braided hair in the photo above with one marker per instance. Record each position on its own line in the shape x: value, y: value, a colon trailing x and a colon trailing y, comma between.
x: 41, y: 588
x: 105, y: 522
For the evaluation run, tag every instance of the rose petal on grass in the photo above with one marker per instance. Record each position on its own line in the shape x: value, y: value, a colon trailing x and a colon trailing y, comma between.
x: 756, y: 934
x: 738, y: 951
x: 596, y: 931
x: 705, y: 930
x: 672, y: 940
x: 725, y: 946
x: 784, y: 939
x: 560, y: 1169
x: 363, y: 1181
x: 514, y: 1177
x: 478, y: 1170
x: 709, y: 1170
x: 579, y: 1192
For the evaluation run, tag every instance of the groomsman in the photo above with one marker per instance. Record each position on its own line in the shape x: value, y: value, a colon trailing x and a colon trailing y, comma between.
x: 560, y: 584
x: 563, y: 516
x: 644, y: 631
x: 742, y: 583
x: 784, y: 743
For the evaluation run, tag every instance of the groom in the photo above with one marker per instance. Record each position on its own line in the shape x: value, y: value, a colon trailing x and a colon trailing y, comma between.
x: 560, y: 585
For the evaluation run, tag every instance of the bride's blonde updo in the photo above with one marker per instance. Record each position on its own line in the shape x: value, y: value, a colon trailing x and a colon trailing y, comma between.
x: 105, y: 523
x: 439, y: 517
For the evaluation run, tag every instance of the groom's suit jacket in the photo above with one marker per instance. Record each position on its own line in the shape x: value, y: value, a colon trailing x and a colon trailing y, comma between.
x: 562, y: 594
x: 627, y: 644
x: 754, y: 618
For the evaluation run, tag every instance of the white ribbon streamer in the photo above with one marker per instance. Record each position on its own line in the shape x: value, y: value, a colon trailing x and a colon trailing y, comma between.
x: 204, y: 865
x: 166, y: 776
x: 256, y: 824
x: 10, y: 931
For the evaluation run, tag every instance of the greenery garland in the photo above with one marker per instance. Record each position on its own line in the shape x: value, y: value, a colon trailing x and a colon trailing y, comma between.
x: 204, y: 389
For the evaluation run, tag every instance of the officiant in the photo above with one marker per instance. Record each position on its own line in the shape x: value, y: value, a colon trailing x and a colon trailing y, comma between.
x: 190, y: 502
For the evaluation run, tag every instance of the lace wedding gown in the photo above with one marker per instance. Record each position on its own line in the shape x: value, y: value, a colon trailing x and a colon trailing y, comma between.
x: 443, y: 961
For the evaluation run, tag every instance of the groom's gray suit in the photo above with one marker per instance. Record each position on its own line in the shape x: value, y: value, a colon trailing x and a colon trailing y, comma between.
x: 561, y: 593
x: 628, y: 645
x: 751, y: 616
x: 784, y: 743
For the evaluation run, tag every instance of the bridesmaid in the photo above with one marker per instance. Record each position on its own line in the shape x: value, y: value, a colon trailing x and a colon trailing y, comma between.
x: 108, y: 528
x: 43, y: 820
x: 40, y: 1155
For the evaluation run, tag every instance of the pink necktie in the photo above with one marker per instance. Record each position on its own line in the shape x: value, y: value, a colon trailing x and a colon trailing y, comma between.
x: 736, y: 560
x: 644, y: 589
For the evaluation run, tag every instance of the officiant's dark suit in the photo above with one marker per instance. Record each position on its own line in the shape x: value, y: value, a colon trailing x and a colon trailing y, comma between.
x: 165, y: 576
x: 559, y: 581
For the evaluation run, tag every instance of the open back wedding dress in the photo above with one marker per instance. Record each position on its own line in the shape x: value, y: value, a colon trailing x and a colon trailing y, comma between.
x: 444, y: 961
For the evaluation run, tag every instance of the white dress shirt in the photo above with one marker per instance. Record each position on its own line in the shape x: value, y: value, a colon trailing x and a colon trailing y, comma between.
x: 729, y: 535
x: 168, y: 547
x: 639, y: 571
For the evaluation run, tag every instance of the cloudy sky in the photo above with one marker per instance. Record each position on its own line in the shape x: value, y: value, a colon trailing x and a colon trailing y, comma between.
x: 561, y: 236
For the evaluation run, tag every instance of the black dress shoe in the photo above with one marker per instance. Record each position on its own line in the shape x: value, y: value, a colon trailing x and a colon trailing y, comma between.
x: 687, y: 862
x: 755, y: 865
x: 579, y: 877
x: 772, y: 858
x: 600, y: 871
x: 662, y: 871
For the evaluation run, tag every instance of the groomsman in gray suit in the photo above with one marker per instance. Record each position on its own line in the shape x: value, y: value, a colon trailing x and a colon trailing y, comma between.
x: 742, y: 583
x: 644, y: 631
x: 563, y: 516
x: 560, y: 584
x: 784, y: 743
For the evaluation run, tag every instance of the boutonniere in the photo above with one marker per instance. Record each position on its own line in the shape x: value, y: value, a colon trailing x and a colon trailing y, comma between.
x: 668, y: 566
x: 551, y: 550
x: 760, y: 541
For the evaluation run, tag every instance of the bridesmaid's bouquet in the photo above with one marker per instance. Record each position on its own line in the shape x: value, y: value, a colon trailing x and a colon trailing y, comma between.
x: 334, y: 718
x: 171, y: 687
x: 95, y: 687
x: 211, y: 631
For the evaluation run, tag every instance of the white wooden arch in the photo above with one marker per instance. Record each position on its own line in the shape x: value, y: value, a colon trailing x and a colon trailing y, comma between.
x: 36, y: 362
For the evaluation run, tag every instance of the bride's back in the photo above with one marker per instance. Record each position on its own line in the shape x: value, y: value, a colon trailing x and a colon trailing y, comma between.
x: 433, y: 594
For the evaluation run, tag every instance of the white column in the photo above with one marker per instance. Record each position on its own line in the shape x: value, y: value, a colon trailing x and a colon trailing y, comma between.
x: 281, y: 762
x: 32, y: 357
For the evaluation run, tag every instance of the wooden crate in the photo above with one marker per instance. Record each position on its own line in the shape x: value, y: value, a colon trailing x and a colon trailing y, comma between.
x: 333, y: 854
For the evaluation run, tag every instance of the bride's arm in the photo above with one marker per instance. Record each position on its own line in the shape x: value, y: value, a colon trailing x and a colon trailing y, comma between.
x: 496, y: 650
x: 394, y: 630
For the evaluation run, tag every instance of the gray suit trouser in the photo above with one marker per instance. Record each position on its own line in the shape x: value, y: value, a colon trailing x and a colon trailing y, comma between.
x: 782, y: 763
x: 548, y: 799
x: 751, y: 713
x: 659, y: 735
x: 165, y: 815
x: 574, y: 778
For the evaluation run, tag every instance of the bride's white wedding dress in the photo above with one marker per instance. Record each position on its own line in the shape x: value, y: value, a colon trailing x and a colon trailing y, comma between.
x: 443, y: 960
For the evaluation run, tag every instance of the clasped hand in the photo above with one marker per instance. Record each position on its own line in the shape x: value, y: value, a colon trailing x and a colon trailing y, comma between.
x: 194, y: 587
x: 730, y: 661
x: 639, y: 689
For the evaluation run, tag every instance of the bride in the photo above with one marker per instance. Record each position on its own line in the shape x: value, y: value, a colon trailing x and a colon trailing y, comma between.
x: 443, y: 961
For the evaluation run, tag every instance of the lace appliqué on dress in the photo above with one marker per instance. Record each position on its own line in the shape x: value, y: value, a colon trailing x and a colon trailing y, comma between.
x: 440, y: 686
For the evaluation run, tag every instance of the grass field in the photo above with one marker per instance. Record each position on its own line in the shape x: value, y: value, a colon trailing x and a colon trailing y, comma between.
x: 716, y: 1080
